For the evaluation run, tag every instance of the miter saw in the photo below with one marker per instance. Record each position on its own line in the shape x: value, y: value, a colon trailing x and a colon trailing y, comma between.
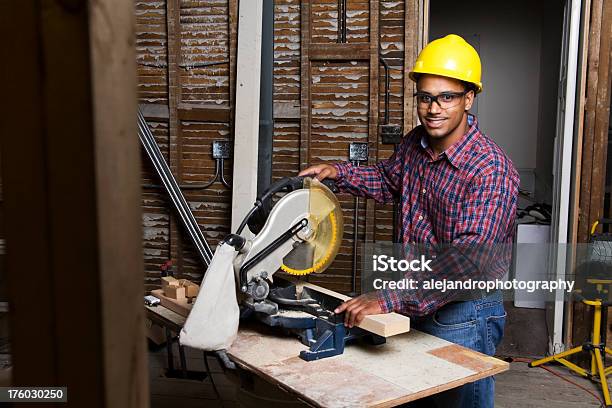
x: 299, y: 234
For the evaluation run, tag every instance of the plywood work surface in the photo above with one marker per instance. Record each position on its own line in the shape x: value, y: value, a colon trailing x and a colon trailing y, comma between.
x: 408, y: 367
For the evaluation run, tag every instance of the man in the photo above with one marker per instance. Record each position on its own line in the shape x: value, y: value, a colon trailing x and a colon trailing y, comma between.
x: 456, y: 187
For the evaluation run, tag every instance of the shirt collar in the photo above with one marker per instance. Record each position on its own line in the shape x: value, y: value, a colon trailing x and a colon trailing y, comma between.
x: 456, y: 153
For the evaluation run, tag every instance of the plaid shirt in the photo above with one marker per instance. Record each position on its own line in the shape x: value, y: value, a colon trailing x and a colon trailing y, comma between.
x: 467, y: 196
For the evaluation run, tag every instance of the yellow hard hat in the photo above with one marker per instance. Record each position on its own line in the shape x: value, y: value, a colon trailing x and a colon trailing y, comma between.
x: 452, y: 57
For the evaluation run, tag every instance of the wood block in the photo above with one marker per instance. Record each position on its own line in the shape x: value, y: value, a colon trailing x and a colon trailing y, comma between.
x: 191, y: 289
x: 177, y: 306
x: 169, y: 281
x: 385, y: 325
x: 175, y: 292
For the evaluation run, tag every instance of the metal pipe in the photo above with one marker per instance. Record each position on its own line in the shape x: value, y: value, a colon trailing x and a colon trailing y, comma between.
x: 266, y: 103
x: 166, y: 177
x: 173, y: 190
x: 339, y: 18
x: 191, y: 228
x: 225, y: 182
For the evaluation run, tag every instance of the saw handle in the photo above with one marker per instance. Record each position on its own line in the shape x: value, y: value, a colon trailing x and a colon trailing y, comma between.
x: 290, y: 184
x: 256, y: 218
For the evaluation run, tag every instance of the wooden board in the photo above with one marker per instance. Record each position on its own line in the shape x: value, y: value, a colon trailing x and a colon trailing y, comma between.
x: 179, y: 306
x: 246, y: 130
x: 408, y: 367
x: 386, y: 325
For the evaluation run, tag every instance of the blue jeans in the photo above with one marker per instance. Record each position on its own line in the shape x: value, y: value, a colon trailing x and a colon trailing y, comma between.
x: 476, y: 324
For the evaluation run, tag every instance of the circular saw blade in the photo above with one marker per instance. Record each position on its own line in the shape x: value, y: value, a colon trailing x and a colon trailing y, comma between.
x: 325, y: 218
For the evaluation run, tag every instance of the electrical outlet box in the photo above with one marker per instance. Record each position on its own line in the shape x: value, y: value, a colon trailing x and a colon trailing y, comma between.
x: 358, y: 151
x: 221, y: 149
x: 391, y: 134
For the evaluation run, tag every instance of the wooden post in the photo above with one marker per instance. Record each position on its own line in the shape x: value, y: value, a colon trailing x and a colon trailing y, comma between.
x: 173, y: 24
x: 411, y: 35
x: 594, y: 139
x: 370, y: 214
x: 71, y: 177
x: 246, y: 130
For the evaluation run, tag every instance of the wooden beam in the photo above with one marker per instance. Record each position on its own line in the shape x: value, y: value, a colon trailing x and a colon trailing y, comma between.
x: 154, y: 112
x: 187, y: 111
x: 576, y: 182
x: 373, y: 50
x: 246, y: 129
x: 233, y: 46
x: 173, y: 25
x: 305, y: 111
x: 339, y: 52
x: 410, y: 52
x: 203, y: 112
x: 602, y: 112
x: 594, y: 137
x: 286, y: 112
x: 589, y: 121
x: 72, y: 200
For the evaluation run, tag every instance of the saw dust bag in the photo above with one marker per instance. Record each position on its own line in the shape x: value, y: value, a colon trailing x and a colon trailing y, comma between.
x: 213, y: 321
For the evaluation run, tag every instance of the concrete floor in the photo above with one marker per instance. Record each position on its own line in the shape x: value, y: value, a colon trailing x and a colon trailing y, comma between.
x: 520, y: 387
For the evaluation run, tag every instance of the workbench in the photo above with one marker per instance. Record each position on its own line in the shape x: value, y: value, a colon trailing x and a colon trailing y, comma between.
x: 408, y: 367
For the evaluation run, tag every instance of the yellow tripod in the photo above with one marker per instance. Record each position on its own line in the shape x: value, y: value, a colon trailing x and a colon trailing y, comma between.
x: 597, y: 349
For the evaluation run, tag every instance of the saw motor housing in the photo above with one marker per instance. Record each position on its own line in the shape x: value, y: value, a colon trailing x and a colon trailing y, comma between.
x: 300, y: 234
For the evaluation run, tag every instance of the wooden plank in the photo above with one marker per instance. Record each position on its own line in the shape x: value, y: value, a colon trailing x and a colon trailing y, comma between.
x: 246, y: 129
x: 410, y: 47
x: 286, y: 111
x: 233, y: 47
x: 422, y: 7
x: 72, y: 205
x: 203, y: 112
x: 154, y: 111
x: 370, y: 213
x: 386, y: 325
x: 589, y: 121
x: 178, y: 306
x: 408, y: 367
x: 582, y: 315
x: 595, y: 137
x: 339, y: 52
x: 173, y: 25
x: 602, y: 109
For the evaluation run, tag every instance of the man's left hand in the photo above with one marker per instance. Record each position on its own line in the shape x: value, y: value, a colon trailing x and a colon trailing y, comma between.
x: 357, y: 308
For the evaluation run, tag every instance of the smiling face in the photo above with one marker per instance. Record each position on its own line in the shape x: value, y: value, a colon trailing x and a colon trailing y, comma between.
x: 449, y: 123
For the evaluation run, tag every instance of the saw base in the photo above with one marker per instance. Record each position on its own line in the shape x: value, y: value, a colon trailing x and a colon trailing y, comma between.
x: 310, y: 317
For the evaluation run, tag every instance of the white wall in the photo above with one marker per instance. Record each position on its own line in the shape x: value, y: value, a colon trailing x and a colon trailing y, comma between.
x: 508, y: 37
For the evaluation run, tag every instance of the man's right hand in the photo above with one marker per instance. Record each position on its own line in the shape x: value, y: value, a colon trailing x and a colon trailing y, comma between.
x: 320, y: 172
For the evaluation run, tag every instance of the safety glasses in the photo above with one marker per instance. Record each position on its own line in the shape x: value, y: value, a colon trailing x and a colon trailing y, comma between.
x: 444, y: 100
